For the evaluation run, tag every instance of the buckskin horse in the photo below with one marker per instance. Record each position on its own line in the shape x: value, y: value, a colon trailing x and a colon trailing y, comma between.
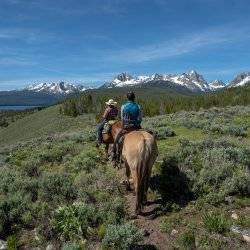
x: 138, y: 154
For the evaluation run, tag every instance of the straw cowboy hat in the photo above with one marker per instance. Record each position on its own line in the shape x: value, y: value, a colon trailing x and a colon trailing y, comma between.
x: 111, y: 102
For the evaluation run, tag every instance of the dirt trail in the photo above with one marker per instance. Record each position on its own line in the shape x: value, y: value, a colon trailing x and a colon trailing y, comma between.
x: 149, y: 223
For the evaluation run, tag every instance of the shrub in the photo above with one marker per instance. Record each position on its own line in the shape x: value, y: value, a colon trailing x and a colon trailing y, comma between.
x: 101, y: 231
x: 12, y: 242
x: 86, y: 161
x: 244, y: 221
x: 215, y: 222
x: 59, y: 187
x: 72, y: 222
x: 239, y: 184
x: 237, y: 130
x: 187, y: 240
x: 112, y: 210
x: 18, y: 156
x: 74, y: 246
x: 31, y: 167
x: 18, y: 193
x: 213, y: 169
x: 234, y: 130
x: 121, y: 236
x: 12, y: 210
x: 12, y: 183
x: 163, y: 133
x: 55, y: 153
x: 170, y: 222
x: 213, y: 241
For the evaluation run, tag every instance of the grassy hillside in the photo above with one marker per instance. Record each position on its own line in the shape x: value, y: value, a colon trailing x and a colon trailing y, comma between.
x: 47, y: 122
x: 29, y: 98
x: 56, y: 189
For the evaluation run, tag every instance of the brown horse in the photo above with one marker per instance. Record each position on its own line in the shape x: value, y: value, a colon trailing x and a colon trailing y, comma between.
x: 139, y: 153
x: 109, y: 138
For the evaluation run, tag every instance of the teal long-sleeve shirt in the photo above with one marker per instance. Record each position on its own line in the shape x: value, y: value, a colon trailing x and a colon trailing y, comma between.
x: 131, y: 114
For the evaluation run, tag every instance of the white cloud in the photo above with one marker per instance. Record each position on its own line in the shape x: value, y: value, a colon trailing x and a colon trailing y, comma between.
x: 69, y: 8
x: 226, y: 71
x: 179, y: 46
x: 26, y: 35
x: 15, y: 61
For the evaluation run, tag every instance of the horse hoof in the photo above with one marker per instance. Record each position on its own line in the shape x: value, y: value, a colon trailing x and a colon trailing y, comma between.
x: 138, y: 212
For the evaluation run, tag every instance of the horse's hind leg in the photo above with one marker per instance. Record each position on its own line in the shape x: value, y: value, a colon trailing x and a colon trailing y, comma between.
x: 106, y: 156
x: 128, y: 175
x: 139, y: 199
x: 147, y: 179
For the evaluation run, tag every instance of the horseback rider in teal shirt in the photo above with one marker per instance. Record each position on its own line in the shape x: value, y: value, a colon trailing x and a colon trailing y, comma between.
x: 131, y: 119
x: 131, y: 113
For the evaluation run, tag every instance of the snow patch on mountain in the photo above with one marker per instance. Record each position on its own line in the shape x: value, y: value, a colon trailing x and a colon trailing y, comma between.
x: 216, y: 85
x: 240, y: 80
x: 244, y: 81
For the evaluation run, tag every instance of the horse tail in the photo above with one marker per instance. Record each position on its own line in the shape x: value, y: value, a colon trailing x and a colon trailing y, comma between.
x: 144, y: 166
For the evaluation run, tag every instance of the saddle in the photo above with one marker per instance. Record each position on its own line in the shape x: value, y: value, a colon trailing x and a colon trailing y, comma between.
x: 108, y: 126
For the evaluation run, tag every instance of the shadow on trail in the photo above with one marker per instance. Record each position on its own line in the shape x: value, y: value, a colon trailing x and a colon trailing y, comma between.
x: 152, y: 214
x: 171, y: 183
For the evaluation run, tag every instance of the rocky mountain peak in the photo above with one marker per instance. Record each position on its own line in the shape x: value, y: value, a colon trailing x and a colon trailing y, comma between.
x: 123, y: 77
x: 193, y: 75
x: 216, y: 85
x: 240, y: 80
x: 157, y: 77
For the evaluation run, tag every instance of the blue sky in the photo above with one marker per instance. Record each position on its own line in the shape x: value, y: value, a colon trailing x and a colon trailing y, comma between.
x: 91, y: 41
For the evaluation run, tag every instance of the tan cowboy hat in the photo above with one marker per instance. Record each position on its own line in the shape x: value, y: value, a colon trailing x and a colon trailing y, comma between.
x: 111, y: 102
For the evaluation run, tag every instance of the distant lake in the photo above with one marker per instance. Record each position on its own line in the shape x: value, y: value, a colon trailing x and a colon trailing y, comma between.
x: 16, y: 107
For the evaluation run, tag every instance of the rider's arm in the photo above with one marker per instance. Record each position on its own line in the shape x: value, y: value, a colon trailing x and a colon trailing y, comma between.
x: 105, y: 114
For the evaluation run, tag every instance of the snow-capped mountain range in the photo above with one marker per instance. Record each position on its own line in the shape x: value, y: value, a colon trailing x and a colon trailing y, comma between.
x: 57, y: 88
x: 191, y: 80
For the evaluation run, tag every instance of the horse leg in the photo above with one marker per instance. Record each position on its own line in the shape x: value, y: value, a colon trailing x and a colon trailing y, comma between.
x: 147, y: 180
x: 146, y: 185
x: 139, y: 198
x: 106, y: 152
x: 128, y: 175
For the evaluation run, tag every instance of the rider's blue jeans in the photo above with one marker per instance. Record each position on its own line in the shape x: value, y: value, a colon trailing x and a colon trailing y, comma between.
x: 99, y: 130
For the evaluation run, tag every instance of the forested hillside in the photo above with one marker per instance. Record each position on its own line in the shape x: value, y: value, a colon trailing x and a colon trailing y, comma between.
x: 155, y: 100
